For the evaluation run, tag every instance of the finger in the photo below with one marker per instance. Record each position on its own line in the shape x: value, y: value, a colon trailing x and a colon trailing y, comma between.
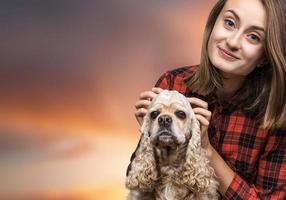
x: 196, y: 102
x: 142, y: 104
x: 157, y: 90
x: 204, y: 112
x: 203, y: 121
x: 147, y: 95
x: 141, y: 112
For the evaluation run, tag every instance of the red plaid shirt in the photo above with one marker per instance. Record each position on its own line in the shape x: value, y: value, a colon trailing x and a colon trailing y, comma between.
x: 257, y: 157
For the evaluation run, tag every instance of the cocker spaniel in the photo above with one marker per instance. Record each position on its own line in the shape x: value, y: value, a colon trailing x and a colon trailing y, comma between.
x: 169, y: 163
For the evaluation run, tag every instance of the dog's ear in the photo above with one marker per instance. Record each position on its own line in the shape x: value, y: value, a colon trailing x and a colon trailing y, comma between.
x: 143, y: 173
x: 145, y: 127
x: 196, y: 173
x: 195, y: 141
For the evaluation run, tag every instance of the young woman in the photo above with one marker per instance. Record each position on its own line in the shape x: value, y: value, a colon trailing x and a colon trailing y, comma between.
x: 238, y: 94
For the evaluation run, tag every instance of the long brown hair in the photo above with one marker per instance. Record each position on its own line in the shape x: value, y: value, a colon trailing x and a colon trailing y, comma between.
x: 263, y: 92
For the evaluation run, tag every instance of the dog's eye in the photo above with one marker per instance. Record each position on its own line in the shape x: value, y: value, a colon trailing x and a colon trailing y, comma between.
x: 154, y: 114
x: 181, y: 114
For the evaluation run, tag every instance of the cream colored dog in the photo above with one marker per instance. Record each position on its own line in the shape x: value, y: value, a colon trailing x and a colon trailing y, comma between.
x: 169, y: 162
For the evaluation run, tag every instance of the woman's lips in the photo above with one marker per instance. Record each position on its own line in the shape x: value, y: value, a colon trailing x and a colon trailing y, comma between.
x: 226, y: 55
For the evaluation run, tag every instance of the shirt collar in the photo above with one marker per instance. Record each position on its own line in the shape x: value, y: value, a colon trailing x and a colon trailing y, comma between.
x: 229, y: 105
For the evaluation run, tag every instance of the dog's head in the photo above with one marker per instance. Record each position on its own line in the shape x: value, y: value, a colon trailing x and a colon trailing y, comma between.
x: 169, y: 128
x: 169, y: 119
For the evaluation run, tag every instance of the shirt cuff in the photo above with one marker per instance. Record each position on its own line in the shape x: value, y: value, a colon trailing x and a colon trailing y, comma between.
x: 238, y: 189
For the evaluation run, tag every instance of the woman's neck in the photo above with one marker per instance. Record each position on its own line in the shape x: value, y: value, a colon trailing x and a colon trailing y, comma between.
x: 231, y: 83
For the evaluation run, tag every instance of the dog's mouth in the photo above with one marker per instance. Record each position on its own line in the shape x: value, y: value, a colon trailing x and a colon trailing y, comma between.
x: 166, y: 138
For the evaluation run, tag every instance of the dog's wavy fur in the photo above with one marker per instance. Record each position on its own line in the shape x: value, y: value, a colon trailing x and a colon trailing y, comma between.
x: 192, y: 179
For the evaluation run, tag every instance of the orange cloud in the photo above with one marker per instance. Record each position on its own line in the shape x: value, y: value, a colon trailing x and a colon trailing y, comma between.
x: 71, y: 148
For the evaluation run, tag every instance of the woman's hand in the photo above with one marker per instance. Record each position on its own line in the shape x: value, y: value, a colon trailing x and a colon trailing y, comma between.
x: 203, y: 115
x: 144, y: 101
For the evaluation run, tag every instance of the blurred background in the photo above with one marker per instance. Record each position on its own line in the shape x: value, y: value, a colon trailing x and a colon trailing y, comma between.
x: 70, y: 73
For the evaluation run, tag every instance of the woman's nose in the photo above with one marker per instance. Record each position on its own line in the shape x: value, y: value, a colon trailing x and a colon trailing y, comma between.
x: 234, y: 41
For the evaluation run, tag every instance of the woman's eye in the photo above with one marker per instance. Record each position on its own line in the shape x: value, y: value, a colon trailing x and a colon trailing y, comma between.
x: 154, y: 114
x: 254, y: 37
x: 229, y: 23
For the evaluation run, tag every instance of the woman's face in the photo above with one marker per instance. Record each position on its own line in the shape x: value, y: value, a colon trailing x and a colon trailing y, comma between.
x: 236, y: 44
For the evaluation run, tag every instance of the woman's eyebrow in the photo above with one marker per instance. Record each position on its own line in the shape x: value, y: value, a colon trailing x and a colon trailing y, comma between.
x: 234, y: 13
x: 257, y: 28
x: 237, y: 17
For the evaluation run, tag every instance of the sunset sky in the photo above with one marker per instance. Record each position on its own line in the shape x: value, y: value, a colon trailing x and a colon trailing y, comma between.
x: 70, y: 73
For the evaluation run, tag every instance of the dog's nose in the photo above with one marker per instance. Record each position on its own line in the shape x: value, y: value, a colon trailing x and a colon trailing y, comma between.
x: 165, y: 121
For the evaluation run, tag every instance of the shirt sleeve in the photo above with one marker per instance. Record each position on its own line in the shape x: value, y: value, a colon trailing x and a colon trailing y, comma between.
x: 271, y: 178
x: 164, y: 81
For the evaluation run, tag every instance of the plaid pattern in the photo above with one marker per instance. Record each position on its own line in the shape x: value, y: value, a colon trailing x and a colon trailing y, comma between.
x: 257, y: 157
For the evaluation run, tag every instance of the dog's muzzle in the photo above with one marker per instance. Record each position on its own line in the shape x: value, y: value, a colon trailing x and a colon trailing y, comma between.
x: 166, y: 138
x: 165, y: 121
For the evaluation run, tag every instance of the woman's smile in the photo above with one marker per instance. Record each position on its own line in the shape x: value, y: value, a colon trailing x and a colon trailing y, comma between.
x: 226, y: 54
